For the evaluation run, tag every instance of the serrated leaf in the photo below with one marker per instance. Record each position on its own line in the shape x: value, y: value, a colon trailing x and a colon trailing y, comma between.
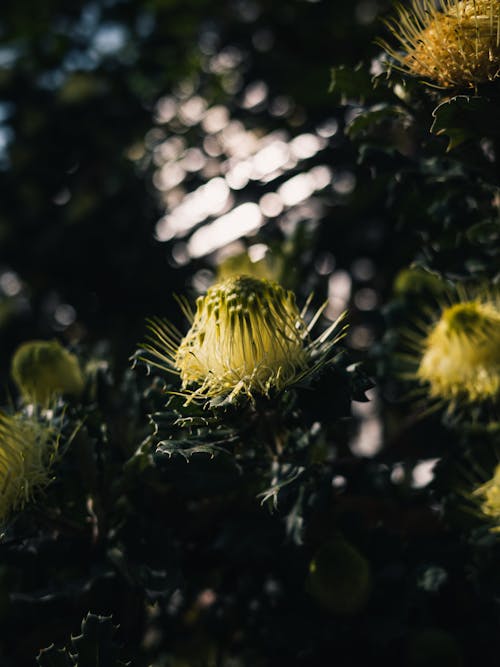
x: 369, y: 119
x: 463, y: 117
x: 156, y: 582
x: 186, y: 448
x: 141, y: 459
x: 351, y: 84
x: 283, y: 477
x: 95, y: 646
x: 54, y: 657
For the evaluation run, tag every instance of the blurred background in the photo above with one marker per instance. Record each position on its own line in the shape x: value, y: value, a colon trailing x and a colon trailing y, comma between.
x: 143, y: 144
x: 148, y: 147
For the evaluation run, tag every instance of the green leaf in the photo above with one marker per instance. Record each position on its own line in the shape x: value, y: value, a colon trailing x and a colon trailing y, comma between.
x: 186, y: 448
x: 54, y: 657
x: 95, y: 646
x: 360, y: 384
x: 357, y: 85
x: 484, y: 232
x: 351, y: 84
x: 141, y: 460
x: 189, y: 434
x: 368, y: 120
x: 463, y: 118
x: 284, y: 475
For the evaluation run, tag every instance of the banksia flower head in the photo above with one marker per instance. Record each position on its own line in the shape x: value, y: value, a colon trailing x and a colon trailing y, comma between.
x: 461, y: 353
x: 488, y: 495
x: 27, y: 451
x: 247, y: 338
x: 453, y: 43
x: 43, y: 370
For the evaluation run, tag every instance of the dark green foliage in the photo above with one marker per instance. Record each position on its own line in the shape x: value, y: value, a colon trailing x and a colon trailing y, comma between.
x: 463, y: 118
x: 93, y: 648
x: 54, y: 657
x: 187, y: 535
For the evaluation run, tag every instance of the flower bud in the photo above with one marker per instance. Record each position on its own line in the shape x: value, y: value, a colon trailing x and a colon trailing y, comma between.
x: 339, y: 577
x: 247, y: 335
x: 488, y: 495
x: 44, y: 369
x: 461, y: 353
x: 247, y: 338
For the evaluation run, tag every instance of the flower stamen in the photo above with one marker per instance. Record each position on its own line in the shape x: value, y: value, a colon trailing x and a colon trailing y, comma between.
x: 454, y: 43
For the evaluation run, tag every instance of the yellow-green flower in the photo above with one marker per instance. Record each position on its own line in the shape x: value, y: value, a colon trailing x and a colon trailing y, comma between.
x: 415, y: 282
x: 488, y: 495
x: 44, y: 369
x: 451, y: 351
x: 461, y: 353
x: 247, y: 338
x: 453, y: 43
x: 27, y: 451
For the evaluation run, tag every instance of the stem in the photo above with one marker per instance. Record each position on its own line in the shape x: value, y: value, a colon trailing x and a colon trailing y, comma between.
x: 271, y: 433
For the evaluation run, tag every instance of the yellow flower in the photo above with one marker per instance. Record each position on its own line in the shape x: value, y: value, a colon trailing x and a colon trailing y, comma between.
x: 461, y: 353
x: 44, y: 369
x: 489, y: 496
x: 27, y: 451
x: 453, y: 43
x: 247, y: 337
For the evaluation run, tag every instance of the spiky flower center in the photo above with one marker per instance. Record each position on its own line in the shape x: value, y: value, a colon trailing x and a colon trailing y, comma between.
x: 247, y: 336
x: 451, y: 42
x: 461, y: 354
